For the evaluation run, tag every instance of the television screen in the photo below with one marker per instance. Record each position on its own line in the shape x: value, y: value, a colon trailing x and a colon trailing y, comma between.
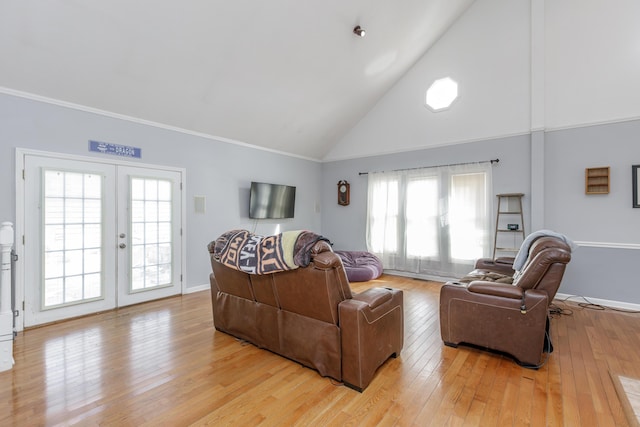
x: 271, y: 201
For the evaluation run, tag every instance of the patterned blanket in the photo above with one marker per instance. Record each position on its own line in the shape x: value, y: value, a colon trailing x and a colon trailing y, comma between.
x: 253, y: 254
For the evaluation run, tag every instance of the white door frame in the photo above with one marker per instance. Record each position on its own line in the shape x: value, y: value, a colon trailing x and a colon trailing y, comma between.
x: 20, y: 214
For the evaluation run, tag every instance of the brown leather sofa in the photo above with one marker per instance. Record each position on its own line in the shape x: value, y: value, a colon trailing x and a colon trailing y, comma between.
x: 496, y: 308
x: 311, y: 316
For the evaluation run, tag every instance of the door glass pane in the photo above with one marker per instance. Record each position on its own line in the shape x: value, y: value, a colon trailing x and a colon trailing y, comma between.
x: 151, y: 245
x: 72, y: 237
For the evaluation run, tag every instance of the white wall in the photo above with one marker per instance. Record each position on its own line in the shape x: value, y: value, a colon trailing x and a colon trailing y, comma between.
x: 590, y: 64
x: 220, y: 171
x: 487, y: 52
x: 587, y: 114
x: 592, y: 61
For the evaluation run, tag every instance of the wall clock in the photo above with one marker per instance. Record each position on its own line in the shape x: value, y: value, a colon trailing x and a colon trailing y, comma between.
x: 343, y: 193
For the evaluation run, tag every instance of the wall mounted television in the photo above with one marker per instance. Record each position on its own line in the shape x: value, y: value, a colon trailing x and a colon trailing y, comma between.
x: 271, y: 201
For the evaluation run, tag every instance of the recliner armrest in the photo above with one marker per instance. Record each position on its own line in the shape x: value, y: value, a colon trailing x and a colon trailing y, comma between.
x: 503, y: 265
x: 496, y: 289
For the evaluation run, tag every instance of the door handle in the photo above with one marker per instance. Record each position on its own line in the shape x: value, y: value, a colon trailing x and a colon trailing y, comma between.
x: 122, y: 235
x: 122, y: 245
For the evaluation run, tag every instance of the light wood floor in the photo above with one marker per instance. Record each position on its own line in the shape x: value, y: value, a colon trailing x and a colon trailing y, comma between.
x: 162, y: 363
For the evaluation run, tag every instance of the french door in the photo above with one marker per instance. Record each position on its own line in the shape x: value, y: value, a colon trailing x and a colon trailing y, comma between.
x: 98, y: 236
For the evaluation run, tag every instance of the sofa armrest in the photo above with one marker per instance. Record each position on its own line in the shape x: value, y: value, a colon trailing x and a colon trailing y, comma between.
x: 326, y: 260
x: 496, y: 289
x: 372, y: 330
x: 374, y: 297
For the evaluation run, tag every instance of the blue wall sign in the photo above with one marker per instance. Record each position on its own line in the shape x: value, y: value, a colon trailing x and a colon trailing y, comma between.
x: 115, y: 149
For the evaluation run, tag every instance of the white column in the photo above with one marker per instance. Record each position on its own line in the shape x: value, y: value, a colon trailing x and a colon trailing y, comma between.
x: 537, y: 114
x: 537, y: 181
x: 6, y: 312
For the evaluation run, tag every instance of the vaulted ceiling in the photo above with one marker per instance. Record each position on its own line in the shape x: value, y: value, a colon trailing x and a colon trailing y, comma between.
x: 286, y: 75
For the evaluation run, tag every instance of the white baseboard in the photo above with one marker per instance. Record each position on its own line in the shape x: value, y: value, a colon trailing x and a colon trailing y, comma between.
x: 199, y: 288
x: 420, y: 276
x: 603, y: 302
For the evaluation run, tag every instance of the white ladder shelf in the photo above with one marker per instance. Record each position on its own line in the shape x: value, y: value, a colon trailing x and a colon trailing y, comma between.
x: 509, y: 233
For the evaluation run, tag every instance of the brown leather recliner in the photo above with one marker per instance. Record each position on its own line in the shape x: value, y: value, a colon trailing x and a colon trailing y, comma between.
x: 506, y: 317
x: 311, y: 316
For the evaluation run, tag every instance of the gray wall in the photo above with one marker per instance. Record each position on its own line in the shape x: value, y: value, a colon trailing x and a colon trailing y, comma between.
x: 345, y: 225
x: 605, y: 227
x: 593, y: 218
x: 220, y: 171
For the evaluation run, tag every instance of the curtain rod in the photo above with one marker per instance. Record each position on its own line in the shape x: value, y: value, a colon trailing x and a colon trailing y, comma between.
x: 492, y: 161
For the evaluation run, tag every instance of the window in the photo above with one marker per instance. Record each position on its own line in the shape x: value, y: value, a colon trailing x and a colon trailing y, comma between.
x: 383, y: 215
x: 468, y: 216
x: 433, y: 221
x: 422, y: 217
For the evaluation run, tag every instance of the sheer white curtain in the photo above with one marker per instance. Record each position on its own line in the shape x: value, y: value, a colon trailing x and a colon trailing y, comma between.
x: 384, y: 216
x: 432, y: 221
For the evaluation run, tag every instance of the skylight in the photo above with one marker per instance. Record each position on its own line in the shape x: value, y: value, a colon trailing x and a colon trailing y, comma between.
x: 441, y: 94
